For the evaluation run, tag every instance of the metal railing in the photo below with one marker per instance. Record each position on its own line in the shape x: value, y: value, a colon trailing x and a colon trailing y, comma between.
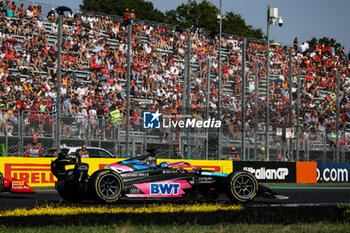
x: 17, y: 129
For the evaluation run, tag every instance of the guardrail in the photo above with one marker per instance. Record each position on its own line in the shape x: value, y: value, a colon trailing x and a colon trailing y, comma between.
x: 17, y: 128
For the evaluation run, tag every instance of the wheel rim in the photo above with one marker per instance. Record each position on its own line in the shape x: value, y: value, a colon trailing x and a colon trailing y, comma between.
x: 244, y: 186
x: 109, y: 186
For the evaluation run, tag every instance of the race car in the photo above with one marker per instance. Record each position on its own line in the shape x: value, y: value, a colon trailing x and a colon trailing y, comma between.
x: 13, y: 185
x: 140, y: 178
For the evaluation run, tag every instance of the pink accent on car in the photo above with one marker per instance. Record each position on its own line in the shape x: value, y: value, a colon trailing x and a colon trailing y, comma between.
x: 169, y: 188
x: 178, y: 164
x: 118, y: 167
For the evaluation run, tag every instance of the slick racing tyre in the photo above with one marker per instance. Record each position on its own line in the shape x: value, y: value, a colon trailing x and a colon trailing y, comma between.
x: 106, y: 186
x: 243, y: 187
x: 1, y: 182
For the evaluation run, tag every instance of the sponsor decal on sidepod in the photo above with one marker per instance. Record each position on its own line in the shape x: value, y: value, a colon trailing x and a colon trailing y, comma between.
x: 172, y: 188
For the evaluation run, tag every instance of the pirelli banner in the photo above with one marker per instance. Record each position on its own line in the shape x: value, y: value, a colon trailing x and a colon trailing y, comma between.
x: 269, y: 171
x: 37, y: 171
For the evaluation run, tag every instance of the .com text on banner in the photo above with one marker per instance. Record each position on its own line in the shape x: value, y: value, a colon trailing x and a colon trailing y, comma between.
x: 333, y: 172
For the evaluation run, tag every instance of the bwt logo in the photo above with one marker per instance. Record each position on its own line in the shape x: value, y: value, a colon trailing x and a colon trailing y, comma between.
x: 164, y: 189
x: 151, y: 120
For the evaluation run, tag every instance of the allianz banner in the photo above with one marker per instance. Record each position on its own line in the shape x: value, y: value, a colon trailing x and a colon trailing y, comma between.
x: 269, y: 171
x: 333, y: 172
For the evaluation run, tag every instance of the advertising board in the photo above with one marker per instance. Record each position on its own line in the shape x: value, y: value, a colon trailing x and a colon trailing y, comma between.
x: 333, y: 172
x: 268, y: 171
x: 37, y: 171
x: 306, y: 172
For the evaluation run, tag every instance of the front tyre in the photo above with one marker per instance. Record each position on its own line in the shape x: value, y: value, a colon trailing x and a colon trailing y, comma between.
x: 107, y: 186
x: 243, y: 187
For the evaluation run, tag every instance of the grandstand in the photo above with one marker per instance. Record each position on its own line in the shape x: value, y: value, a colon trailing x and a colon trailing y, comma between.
x: 94, y: 77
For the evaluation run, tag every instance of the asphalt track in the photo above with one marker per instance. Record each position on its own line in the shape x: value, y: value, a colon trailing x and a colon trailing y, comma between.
x: 298, y: 196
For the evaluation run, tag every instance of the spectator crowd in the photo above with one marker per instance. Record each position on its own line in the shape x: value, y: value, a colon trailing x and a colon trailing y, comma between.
x: 94, y: 58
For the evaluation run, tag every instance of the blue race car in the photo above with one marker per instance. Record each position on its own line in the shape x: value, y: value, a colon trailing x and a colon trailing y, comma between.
x: 140, y: 178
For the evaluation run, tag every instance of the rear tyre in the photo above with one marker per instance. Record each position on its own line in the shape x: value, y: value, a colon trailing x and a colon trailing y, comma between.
x: 243, y: 187
x: 106, y: 186
x: 1, y: 182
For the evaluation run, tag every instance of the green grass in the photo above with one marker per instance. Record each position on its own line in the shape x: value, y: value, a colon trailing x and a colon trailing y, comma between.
x: 178, y: 218
x: 247, y: 215
x: 174, y: 228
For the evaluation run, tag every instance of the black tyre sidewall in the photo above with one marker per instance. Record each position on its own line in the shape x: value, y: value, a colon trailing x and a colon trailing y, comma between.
x: 94, y: 188
x: 231, y: 194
